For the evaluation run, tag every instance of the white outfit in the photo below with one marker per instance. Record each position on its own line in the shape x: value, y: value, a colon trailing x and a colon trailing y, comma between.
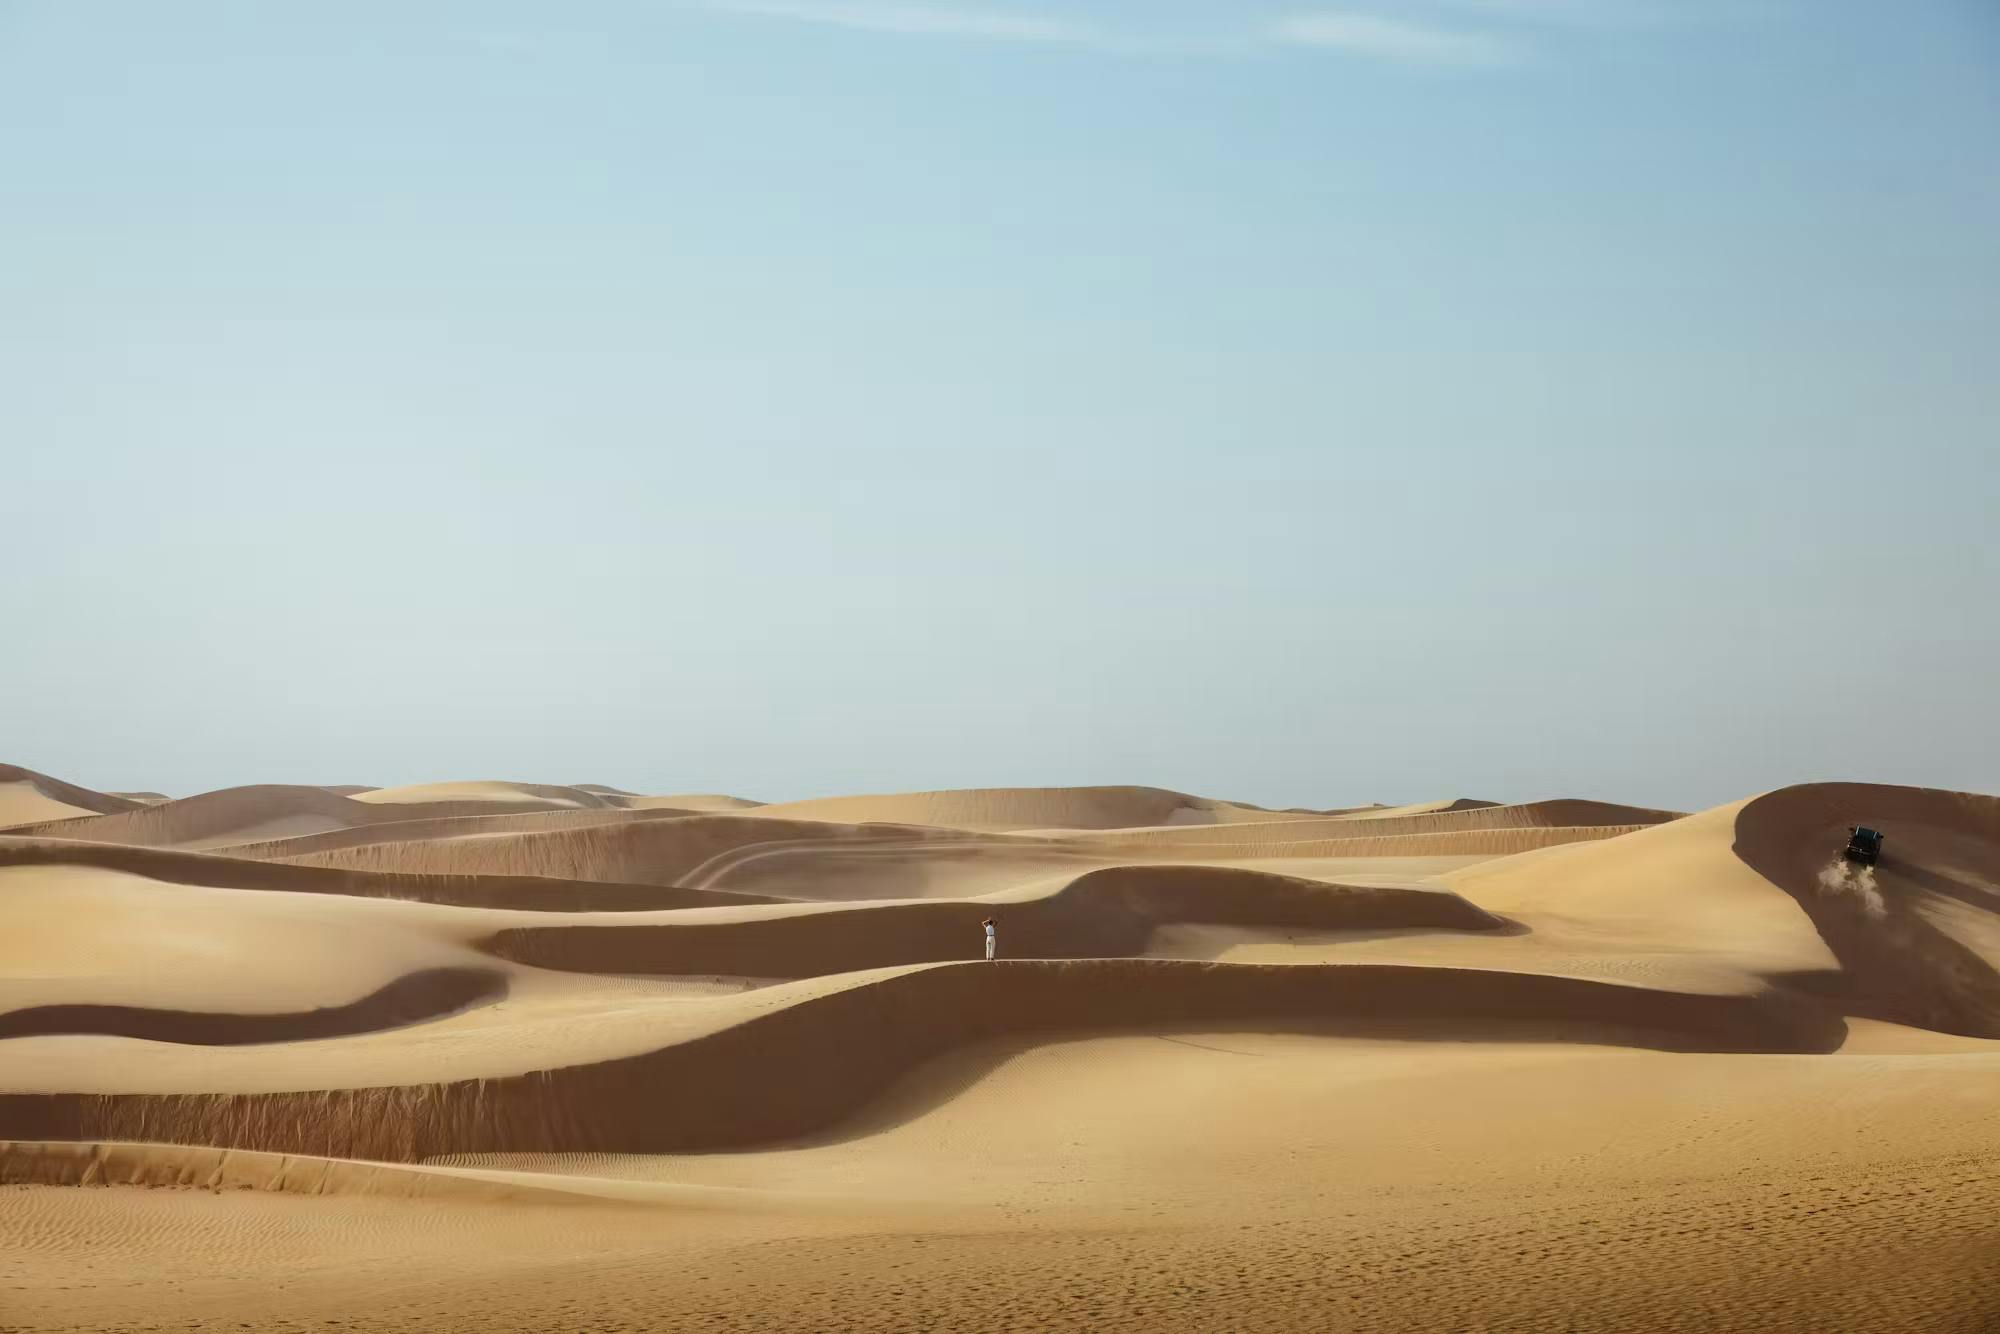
x: 989, y: 944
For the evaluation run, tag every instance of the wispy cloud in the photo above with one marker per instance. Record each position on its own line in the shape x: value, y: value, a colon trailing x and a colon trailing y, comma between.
x: 1463, y: 33
x: 927, y: 20
x: 1395, y: 39
x: 1565, y: 13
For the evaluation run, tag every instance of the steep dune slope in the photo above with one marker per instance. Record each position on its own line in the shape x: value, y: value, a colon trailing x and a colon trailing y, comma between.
x: 1759, y: 886
x: 1918, y: 935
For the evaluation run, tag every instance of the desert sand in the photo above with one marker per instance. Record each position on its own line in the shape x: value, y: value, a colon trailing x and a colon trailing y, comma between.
x: 522, y: 1056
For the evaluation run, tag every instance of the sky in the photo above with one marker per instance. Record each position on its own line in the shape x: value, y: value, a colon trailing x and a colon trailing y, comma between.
x: 1301, y: 404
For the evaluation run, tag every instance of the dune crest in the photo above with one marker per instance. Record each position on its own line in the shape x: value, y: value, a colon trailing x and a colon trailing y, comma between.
x: 1001, y: 809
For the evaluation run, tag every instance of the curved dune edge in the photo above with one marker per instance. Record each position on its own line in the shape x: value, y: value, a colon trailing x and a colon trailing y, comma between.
x: 1564, y: 813
x: 1101, y: 914
x: 413, y: 998
x: 99, y: 1164
x: 806, y: 1066
x: 703, y: 850
x: 1009, y: 808
x: 1942, y: 848
x: 1217, y: 843
x: 1237, y: 842
x: 524, y: 892
x: 202, y: 1167
x: 441, y: 827
x: 1051, y: 809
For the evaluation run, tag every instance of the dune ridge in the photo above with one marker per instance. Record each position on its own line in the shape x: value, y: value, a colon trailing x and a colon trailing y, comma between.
x: 1566, y: 813
x: 266, y: 812
x: 467, y: 890
x: 639, y: 851
x: 541, y: 796
x: 1500, y: 842
x: 1014, y: 808
x: 1108, y: 913
x: 910, y: 1015
x: 202, y: 1167
x: 441, y: 827
x: 240, y: 815
x: 413, y: 998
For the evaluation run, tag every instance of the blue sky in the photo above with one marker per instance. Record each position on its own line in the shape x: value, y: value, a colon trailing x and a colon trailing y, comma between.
x: 1304, y: 404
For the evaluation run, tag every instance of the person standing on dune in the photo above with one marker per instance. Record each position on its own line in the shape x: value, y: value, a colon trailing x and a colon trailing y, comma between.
x: 989, y: 924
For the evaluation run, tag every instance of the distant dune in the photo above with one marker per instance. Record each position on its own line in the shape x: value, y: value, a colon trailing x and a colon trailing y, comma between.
x: 539, y: 795
x: 27, y: 797
x: 1005, y: 808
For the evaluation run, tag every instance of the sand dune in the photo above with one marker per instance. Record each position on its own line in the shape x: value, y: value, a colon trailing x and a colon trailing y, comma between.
x: 715, y: 803
x: 879, y: 862
x: 1108, y: 913
x: 1234, y: 1027
x: 154, y: 1166
x: 407, y: 1000
x: 231, y: 815
x: 27, y: 797
x: 909, y: 1015
x: 634, y: 848
x: 1563, y: 814
x: 531, y: 892
x: 1010, y: 808
x: 268, y: 812
x: 440, y: 827
x: 1414, y: 808
x: 540, y: 796
x: 547, y: 796
x: 1914, y: 934
x: 1671, y: 896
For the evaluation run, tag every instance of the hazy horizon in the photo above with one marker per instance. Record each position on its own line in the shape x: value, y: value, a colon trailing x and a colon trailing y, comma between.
x: 1302, y: 404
